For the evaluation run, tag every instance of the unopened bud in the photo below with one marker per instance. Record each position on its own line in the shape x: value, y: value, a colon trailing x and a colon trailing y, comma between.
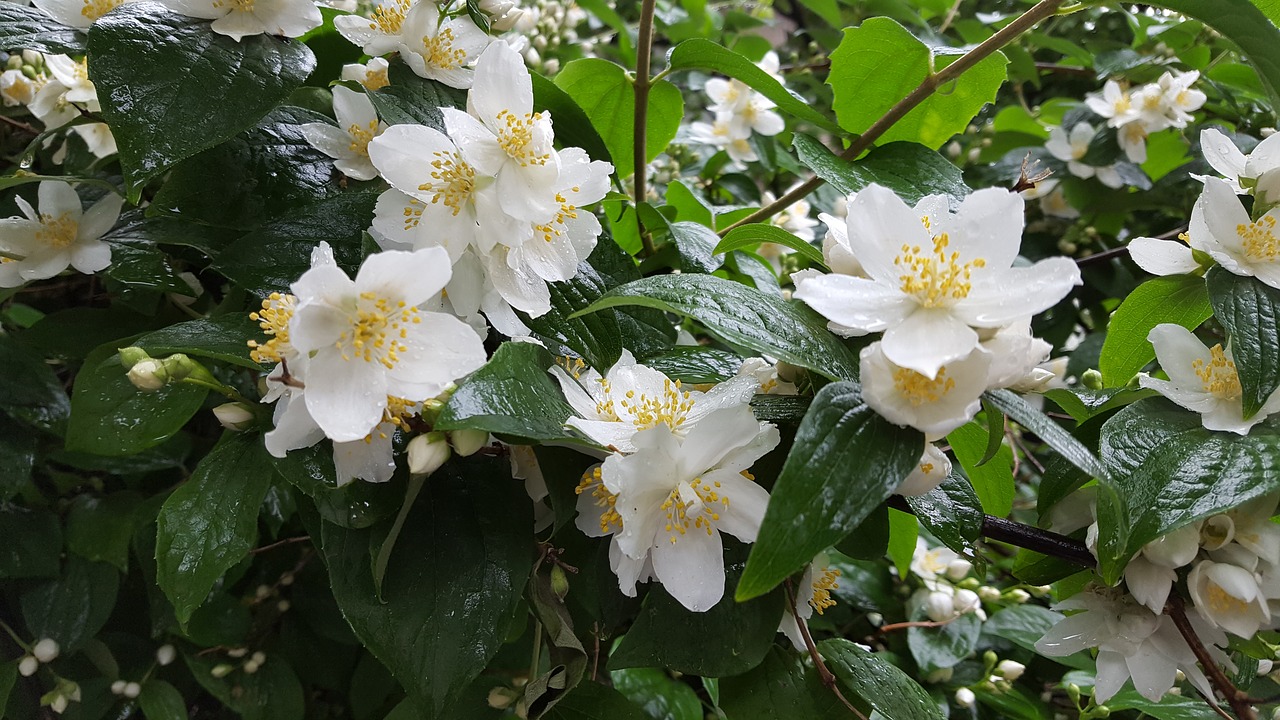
x: 132, y: 690
x: 1264, y: 667
x: 965, y: 601
x: 283, y: 606
x: 1010, y: 670
x: 149, y: 375
x: 33, y: 58
x: 165, y: 654
x: 500, y: 698
x: 940, y: 675
x: 259, y: 657
x: 1102, y: 711
x: 180, y: 366
x: 986, y: 593
x: 875, y: 618
x: 1091, y: 379
x: 240, y: 651
x: 58, y: 704
x: 27, y: 666
x: 234, y: 416
x: 938, y: 606
x: 467, y: 442
x: 250, y: 667
x: 954, y: 149
x: 117, y: 687
x: 559, y: 582
x: 957, y: 569
x: 427, y: 452
x: 1019, y: 595
x: 46, y: 651
x: 13, y: 63
x: 131, y: 356
x: 221, y: 671
x: 965, y: 697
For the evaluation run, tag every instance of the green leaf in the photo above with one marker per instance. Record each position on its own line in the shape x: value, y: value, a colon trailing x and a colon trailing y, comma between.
x: 884, y: 687
x: 223, y: 338
x: 1250, y: 312
x: 31, y: 392
x: 572, y: 126
x: 256, y: 176
x: 1053, y: 434
x: 8, y: 678
x: 846, y: 460
x: 696, y: 364
x: 593, y: 701
x: 696, y: 244
x: 943, y: 647
x: 170, y: 86
x: 606, y: 94
x: 355, y: 505
x: 25, y: 27
x: 101, y: 528
x: 597, y: 338
x: 34, y: 542
x: 992, y: 481
x: 1245, y: 25
x: 566, y: 656
x: 109, y: 416
x: 414, y: 100
x: 210, y: 522
x: 72, y: 608
x: 879, y: 63
x: 662, y: 697
x: 743, y: 317
x: 910, y: 170
x: 748, y: 236
x: 1168, y: 471
x: 701, y: 54
x: 270, y: 259
x: 1180, y: 299
x: 1022, y: 625
x: 904, y: 528
x: 1083, y: 404
x: 512, y: 394
x: 1169, y: 707
x: 455, y: 577
x: 161, y: 701
x: 951, y: 512
x: 780, y: 687
x: 731, y: 638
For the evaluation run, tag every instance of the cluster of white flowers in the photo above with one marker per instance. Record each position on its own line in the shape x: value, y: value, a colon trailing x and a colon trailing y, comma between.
x: 739, y: 111
x: 56, y: 89
x: 942, y: 288
x: 1071, y: 148
x: 437, y: 46
x: 1138, y: 112
x: 287, y: 18
x: 939, y: 569
x: 41, y: 244
x: 542, y: 27
x: 676, y: 475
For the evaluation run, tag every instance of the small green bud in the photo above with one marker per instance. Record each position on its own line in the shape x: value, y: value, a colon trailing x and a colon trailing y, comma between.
x: 1091, y: 379
x: 30, y: 72
x: 467, y: 442
x: 180, y: 366
x: 13, y: 63
x: 559, y: 581
x: 131, y: 355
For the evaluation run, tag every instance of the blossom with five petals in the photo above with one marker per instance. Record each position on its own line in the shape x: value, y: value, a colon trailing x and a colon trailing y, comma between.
x: 238, y: 19
x: 42, y: 244
x: 348, y: 143
x: 442, y: 49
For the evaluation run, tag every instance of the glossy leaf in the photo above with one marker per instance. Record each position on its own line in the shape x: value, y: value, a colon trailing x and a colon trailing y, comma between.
x: 1053, y: 434
x: 1249, y: 310
x: 743, y: 317
x: 780, y: 687
x: 597, y: 338
x: 73, y: 607
x: 455, y: 577
x: 696, y: 364
x: 35, y: 542
x: 572, y: 126
x: 1180, y: 299
x: 951, y: 512
x: 910, y: 170
x: 658, y: 693
x: 943, y: 647
x: 160, y: 116
x: 846, y: 460
x: 220, y: 338
x: 748, y: 236
x: 161, y: 701
x: 884, y: 687
x: 100, y: 528
x: 593, y: 701
x: 414, y: 100
x: 31, y: 392
x: 513, y: 394
x: 993, y: 481
x: 878, y: 63
x: 210, y: 523
x: 27, y: 27
x: 355, y: 505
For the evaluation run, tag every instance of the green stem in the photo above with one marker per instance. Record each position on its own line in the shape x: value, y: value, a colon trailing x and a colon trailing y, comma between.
x: 210, y: 383
x: 14, y: 636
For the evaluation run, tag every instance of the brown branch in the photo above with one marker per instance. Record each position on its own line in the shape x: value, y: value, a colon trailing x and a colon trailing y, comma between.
x: 931, y: 83
x: 644, y: 54
x: 281, y: 543
x: 824, y: 673
x: 1237, y: 699
x: 917, y: 624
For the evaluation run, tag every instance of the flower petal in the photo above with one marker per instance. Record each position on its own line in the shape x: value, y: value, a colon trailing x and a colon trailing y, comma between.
x: 345, y: 397
x: 999, y: 298
x: 1162, y: 257
x: 865, y: 305
x: 691, y: 568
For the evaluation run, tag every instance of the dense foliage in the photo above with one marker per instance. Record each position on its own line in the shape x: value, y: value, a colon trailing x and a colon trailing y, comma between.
x: 468, y: 359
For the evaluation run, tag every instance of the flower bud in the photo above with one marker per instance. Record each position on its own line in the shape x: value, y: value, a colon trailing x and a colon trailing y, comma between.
x: 58, y: 704
x: 1019, y: 595
x: 234, y: 416
x: 130, y: 356
x: 46, y: 651
x: 986, y: 593
x: 1091, y: 379
x: 222, y: 670
x: 1010, y: 670
x: 27, y: 666
x: 427, y: 452
x: 165, y: 654
x: 875, y: 618
x: 965, y: 697
x: 283, y: 606
x: 117, y: 687
x: 559, y: 582
x: 259, y: 657
x: 957, y: 569
x: 939, y: 607
x: 1264, y: 667
x: 32, y: 58
x: 250, y: 667
x: 501, y: 698
x: 180, y: 366
x: 13, y: 63
x: 940, y: 675
x: 965, y: 601
x: 148, y: 375
x: 132, y: 690
x: 467, y: 442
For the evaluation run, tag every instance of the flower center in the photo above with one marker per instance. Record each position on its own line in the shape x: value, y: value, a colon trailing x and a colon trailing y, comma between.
x: 413, y: 213
x: 439, y: 50
x: 273, y: 318
x: 690, y: 504
x: 1122, y: 104
x: 919, y: 389
x: 1260, y: 239
x: 670, y: 408
x: 375, y: 79
x: 58, y: 232
x: 516, y: 138
x: 1224, y: 602
x: 361, y: 135
x: 94, y: 9
x: 397, y: 415
x: 389, y: 17
x: 379, y: 326
x: 935, y: 278
x: 1218, y: 376
x: 236, y: 5
x: 822, y: 588
x: 555, y: 228
x: 593, y: 483
x: 572, y: 365
x: 453, y: 180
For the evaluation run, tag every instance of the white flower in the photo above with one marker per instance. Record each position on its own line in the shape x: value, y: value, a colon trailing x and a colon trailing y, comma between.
x: 1114, y: 104
x: 427, y: 452
x: 723, y: 135
x: 97, y: 138
x: 1203, y: 380
x: 77, y: 13
x: 70, y: 84
x: 1256, y: 172
x: 369, y: 338
x: 239, y: 18
x: 1053, y: 201
x: 1010, y: 670
x: 379, y: 34
x: 1228, y: 597
x: 928, y: 563
x: 1014, y: 352
x: 1178, y: 98
x: 935, y: 275
x: 348, y: 143
x: 442, y: 49
x: 1133, y: 141
x: 934, y: 406
x: 768, y: 379
x: 1227, y: 233
x: 633, y: 397
x: 794, y: 219
x: 42, y: 244
x: 813, y: 594
x: 965, y: 697
x: 1071, y: 149
x: 938, y: 604
x: 1150, y: 574
x: 673, y: 497
x: 1162, y: 257
x: 46, y: 650
x: 503, y: 137
x: 1254, y: 529
x: 17, y: 89
x: 1132, y: 643
x: 372, y: 75
x: 933, y: 468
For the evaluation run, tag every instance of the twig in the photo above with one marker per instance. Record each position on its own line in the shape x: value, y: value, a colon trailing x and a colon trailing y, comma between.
x: 1101, y: 256
x: 20, y: 125
x: 1064, y: 69
x: 950, y: 18
x: 280, y: 543
x: 1237, y: 699
x: 917, y: 624
x: 824, y: 673
x: 1024, y: 22
x: 644, y: 54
